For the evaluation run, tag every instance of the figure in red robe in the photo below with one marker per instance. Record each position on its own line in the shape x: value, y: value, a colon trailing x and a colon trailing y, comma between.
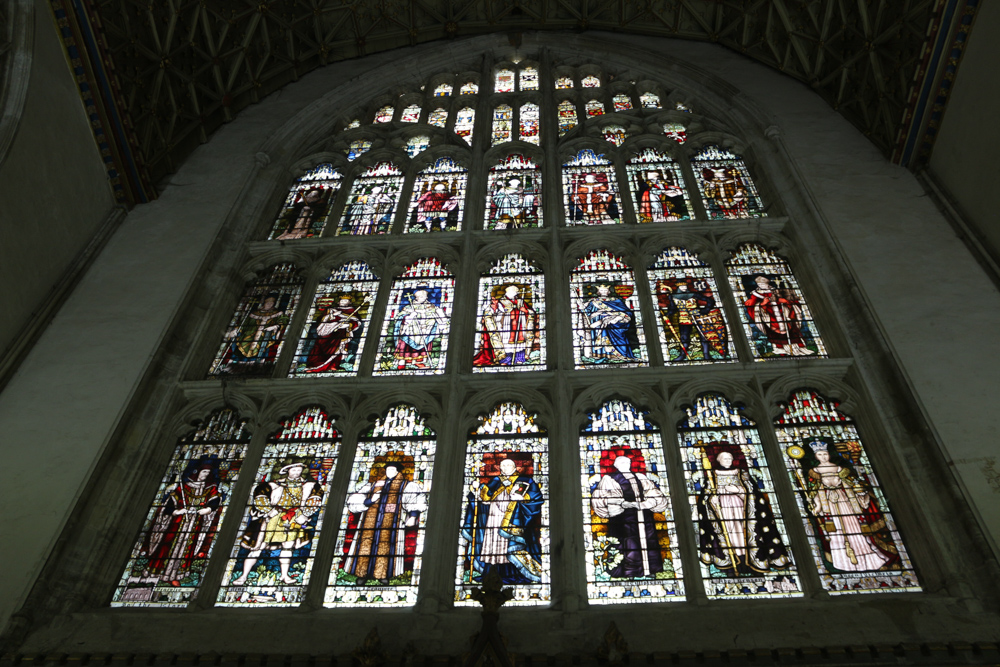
x: 778, y: 318
x: 336, y: 339
x: 508, y: 331
x: 436, y: 209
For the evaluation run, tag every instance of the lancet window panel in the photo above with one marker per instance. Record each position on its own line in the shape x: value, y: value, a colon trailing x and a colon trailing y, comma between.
x: 417, y: 145
x: 333, y: 337
x: 564, y: 82
x: 438, y: 200
x: 168, y: 562
x: 443, y: 90
x: 854, y: 538
x: 469, y: 88
x: 727, y: 190
x: 503, y: 124
x: 594, y: 108
x: 590, y: 190
x: 529, y: 131
x: 528, y: 78
x: 410, y: 114
x: 379, y: 552
x: 650, y: 101
x: 465, y: 123
x: 568, y: 117
x: 622, y: 102
x: 675, y: 131
x: 307, y: 206
x: 438, y: 117
x: 743, y: 546
x: 630, y: 533
x: 607, y: 322
x: 505, y: 522
x: 657, y: 186
x: 590, y: 82
x: 384, y: 114
x: 371, y: 204
x: 510, y: 329
x: 256, y: 332
x: 504, y: 81
x: 514, y: 194
x: 272, y: 559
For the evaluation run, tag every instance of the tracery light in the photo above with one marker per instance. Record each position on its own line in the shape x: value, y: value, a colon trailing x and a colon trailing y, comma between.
x: 615, y: 134
x: 334, y: 333
x: 657, y: 186
x: 529, y: 123
x: 742, y: 541
x: 417, y: 144
x: 417, y: 322
x: 505, y: 525
x: 411, y: 114
x: 384, y: 115
x: 682, y: 107
x: 776, y: 318
x: 528, y: 78
x: 358, y: 148
x: 564, y: 82
x: 504, y: 81
x: 590, y: 82
x: 272, y: 559
x: 590, y: 190
x: 470, y: 88
x: 307, y: 206
x: 726, y: 187
x: 510, y: 330
x: 465, y: 123
x: 438, y: 199
x: 438, y: 117
x: 607, y: 322
x: 443, y: 90
x: 372, y: 202
x: 514, y: 194
x: 594, y: 108
x: 856, y: 544
x: 567, y: 116
x: 353, y: 124
x: 503, y: 119
x: 622, y: 102
x: 380, y: 545
x: 630, y: 534
x: 649, y: 100
x: 167, y: 565
x: 675, y: 131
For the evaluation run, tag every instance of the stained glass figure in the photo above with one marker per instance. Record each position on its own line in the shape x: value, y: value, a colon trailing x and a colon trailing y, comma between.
x: 692, y: 323
x: 417, y: 145
x: 567, y: 117
x: 649, y: 101
x: 607, y: 324
x: 622, y: 102
x: 590, y: 192
x: 417, y: 321
x: 529, y: 123
x: 510, y: 332
x: 307, y: 206
x: 256, y: 333
x: 742, y: 542
x: 726, y: 187
x: 167, y: 563
x: 411, y: 114
x: 564, y: 82
x: 594, y: 108
x: 505, y: 527
x: 438, y: 200
x: 358, y: 148
x: 333, y: 336
x: 629, y: 528
x: 657, y: 186
x: 465, y: 122
x: 514, y: 194
x: 615, y: 134
x: 675, y: 131
x: 384, y: 115
x: 272, y: 559
x: 503, y: 119
x: 469, y: 88
x: 775, y: 315
x: 590, y: 82
x: 855, y: 542
x: 372, y: 202
x: 353, y: 124
x: 529, y: 78
x: 381, y: 541
x: 438, y: 118
x: 682, y: 107
x: 504, y: 81
x: 443, y: 90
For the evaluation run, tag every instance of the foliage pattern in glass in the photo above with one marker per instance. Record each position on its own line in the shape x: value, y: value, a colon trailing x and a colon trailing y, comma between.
x: 725, y: 184
x: 307, y: 206
x: 590, y: 190
x: 372, y: 201
x: 514, y: 194
x: 438, y: 200
x: 529, y: 123
x: 607, y: 323
x: 657, y: 186
x: 510, y: 324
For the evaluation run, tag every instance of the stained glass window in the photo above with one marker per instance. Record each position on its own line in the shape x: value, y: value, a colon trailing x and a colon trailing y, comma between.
x: 438, y: 118
x: 438, y: 200
x: 504, y: 81
x: 469, y: 88
x: 590, y: 82
x: 414, y: 337
x: 742, y: 542
x: 411, y: 114
x: 622, y: 102
x: 675, y: 131
x: 384, y: 115
x: 372, y: 202
x: 168, y: 561
x: 607, y: 324
x: 273, y: 556
x: 510, y: 331
x: 529, y: 78
x: 353, y: 124
x: 417, y: 145
x: 443, y: 90
x: 358, y: 148
x: 529, y: 123
x: 680, y: 106
x: 854, y: 538
x: 505, y: 525
x: 567, y: 117
x: 657, y: 186
x: 465, y: 122
x: 615, y: 134
x: 333, y: 336
x: 726, y: 187
x: 256, y: 332
x: 307, y: 206
x: 590, y: 192
x: 775, y: 315
x: 503, y: 118
x: 381, y: 541
x: 594, y: 108
x: 629, y: 528
x: 514, y: 194
x: 649, y: 101
x: 564, y: 82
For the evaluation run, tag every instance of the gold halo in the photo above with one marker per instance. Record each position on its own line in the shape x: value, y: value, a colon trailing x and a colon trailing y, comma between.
x: 795, y: 452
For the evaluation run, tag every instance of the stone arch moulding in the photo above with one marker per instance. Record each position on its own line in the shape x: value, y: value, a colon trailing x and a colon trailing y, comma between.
x: 17, y: 35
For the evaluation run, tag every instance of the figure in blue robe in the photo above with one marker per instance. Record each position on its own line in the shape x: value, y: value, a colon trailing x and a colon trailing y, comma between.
x: 613, y: 335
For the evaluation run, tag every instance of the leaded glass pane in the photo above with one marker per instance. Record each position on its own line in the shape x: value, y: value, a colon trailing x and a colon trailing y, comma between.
x: 414, y: 337
x: 529, y: 78
x: 511, y: 327
x: 380, y: 546
x: 168, y: 561
x: 307, y: 206
x: 622, y: 102
x: 372, y: 202
x: 629, y: 528
x: 564, y: 82
x: 384, y: 115
x: 504, y: 82
x: 726, y: 187
x: 465, y: 122
x: 692, y: 322
x: 334, y: 334
x: 417, y: 145
x: 607, y: 324
x: 590, y: 191
x: 657, y: 186
x: 411, y: 114
x: 353, y: 124
x: 680, y: 106
x: 529, y: 123
x: 855, y: 542
x: 438, y: 200
x: 742, y: 542
x: 358, y: 148
x: 438, y: 118
x: 256, y: 332
x: 469, y: 88
x: 594, y: 108
x: 514, y: 194
x: 503, y: 119
x: 615, y: 134
x: 590, y: 82
x: 776, y: 318
x: 649, y: 101
x: 505, y: 526
x: 567, y: 116
x: 675, y: 131
x: 443, y: 90
x: 273, y: 556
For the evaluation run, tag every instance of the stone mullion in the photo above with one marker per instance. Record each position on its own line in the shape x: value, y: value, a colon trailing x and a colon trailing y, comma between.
x: 732, y: 305
x: 698, y: 210
x: 649, y: 314
x: 339, y: 202
x: 295, y: 327
x: 366, y: 363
